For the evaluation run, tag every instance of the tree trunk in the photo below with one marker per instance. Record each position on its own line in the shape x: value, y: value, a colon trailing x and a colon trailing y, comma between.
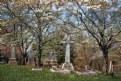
x: 105, y: 53
x: 23, y: 59
x: 106, y: 62
x: 38, y: 15
x: 39, y: 54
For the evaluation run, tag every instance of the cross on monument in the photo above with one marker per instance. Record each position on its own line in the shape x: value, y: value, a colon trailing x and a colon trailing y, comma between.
x: 67, y: 64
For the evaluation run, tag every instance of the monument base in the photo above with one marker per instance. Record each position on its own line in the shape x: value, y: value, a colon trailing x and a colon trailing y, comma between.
x: 68, y: 66
x: 12, y: 61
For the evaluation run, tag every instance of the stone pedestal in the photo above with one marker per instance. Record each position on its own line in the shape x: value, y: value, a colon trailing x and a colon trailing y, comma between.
x: 12, y: 61
x: 68, y: 66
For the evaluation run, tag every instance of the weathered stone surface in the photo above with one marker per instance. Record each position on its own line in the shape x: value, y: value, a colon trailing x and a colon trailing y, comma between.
x: 50, y: 60
x: 87, y: 73
x: 36, y: 69
x: 12, y: 61
x: 67, y: 65
x: 54, y: 69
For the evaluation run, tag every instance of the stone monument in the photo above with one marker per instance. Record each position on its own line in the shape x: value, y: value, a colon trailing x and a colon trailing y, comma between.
x: 30, y: 61
x: 67, y: 65
x: 50, y: 60
x: 12, y: 59
x: 112, y: 67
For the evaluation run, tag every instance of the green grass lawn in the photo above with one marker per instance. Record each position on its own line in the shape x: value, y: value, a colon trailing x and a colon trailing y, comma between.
x: 22, y: 73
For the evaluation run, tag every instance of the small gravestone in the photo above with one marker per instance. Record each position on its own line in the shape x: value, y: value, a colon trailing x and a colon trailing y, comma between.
x: 55, y: 69
x: 50, y: 60
x: 112, y: 66
x: 87, y: 73
x: 12, y: 59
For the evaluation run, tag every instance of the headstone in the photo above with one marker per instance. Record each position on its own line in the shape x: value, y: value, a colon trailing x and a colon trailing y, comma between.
x: 30, y: 61
x: 67, y: 64
x: 112, y: 66
x: 87, y: 73
x: 50, y: 60
x: 55, y: 69
x: 12, y: 59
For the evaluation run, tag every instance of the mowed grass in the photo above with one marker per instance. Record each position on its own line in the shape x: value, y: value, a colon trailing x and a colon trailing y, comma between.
x: 22, y: 73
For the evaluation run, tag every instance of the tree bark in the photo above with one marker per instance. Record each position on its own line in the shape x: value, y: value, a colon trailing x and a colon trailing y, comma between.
x: 39, y: 54
x: 23, y: 59
x: 105, y: 53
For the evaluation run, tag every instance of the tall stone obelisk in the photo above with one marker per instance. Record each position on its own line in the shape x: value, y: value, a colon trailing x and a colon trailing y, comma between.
x: 12, y: 59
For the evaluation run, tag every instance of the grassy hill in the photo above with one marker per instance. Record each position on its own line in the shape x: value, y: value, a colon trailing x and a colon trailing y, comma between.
x: 22, y: 73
